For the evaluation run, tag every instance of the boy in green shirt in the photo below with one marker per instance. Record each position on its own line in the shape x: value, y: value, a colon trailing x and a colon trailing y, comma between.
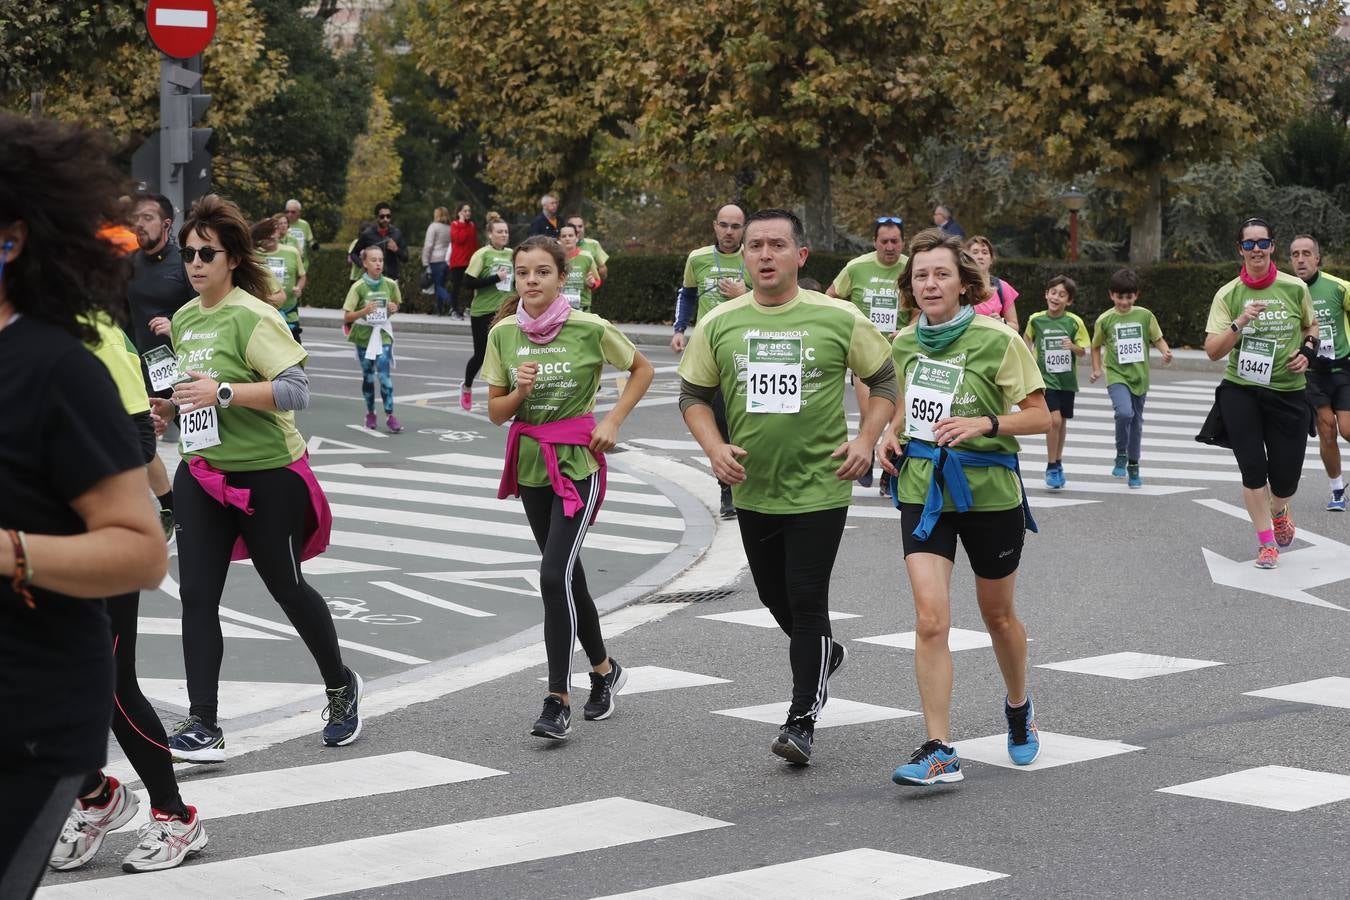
x: 369, y: 304
x: 1125, y: 331
x: 1057, y: 338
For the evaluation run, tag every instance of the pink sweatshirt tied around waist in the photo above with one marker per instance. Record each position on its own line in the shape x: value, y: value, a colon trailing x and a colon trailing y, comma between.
x: 575, y: 431
x: 318, y: 526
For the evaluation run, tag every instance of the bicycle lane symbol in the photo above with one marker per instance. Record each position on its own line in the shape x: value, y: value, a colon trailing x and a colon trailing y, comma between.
x: 345, y: 609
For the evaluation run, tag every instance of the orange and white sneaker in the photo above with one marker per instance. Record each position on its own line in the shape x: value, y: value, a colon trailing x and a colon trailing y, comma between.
x: 166, y: 841
x: 1283, y: 524
x: 1268, y: 557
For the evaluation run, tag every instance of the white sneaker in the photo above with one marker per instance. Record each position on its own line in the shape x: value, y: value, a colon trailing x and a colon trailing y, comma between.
x: 165, y: 842
x: 86, y: 828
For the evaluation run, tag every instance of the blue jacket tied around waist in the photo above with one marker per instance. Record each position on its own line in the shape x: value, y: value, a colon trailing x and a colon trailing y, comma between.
x: 949, y: 469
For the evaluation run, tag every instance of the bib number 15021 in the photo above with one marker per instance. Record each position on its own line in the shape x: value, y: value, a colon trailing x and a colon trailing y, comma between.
x: 199, y: 429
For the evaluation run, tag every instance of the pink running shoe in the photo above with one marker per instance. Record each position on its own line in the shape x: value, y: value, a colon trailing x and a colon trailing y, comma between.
x: 465, y: 397
x: 1283, y: 525
x: 392, y: 424
x: 370, y: 421
x: 1267, y: 557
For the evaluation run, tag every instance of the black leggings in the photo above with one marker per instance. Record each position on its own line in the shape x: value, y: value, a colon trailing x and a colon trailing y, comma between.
x: 791, y: 558
x: 457, y: 288
x: 480, y: 326
x: 35, y: 809
x: 135, y: 724
x: 569, y: 611
x: 274, y: 535
x: 1269, y: 434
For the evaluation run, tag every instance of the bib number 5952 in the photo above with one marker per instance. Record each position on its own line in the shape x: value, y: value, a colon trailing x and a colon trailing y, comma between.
x: 922, y: 409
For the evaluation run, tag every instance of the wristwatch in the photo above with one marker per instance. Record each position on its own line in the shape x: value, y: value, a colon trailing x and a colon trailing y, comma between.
x: 1233, y: 327
x: 224, y: 394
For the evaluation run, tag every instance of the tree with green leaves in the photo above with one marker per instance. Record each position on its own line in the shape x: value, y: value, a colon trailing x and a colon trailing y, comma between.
x: 1133, y: 92
x: 375, y: 170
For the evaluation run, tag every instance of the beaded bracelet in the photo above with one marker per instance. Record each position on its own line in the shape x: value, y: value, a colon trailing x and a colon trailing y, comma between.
x: 23, y: 571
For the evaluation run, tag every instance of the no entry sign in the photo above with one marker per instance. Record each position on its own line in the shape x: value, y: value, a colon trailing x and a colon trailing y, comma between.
x: 181, y: 28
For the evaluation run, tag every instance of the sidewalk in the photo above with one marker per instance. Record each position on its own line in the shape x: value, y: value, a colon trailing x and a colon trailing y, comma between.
x: 649, y: 335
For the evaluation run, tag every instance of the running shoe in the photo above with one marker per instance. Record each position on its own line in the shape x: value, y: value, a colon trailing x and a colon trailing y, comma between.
x: 885, y: 484
x: 1119, y: 470
x: 1284, y: 528
x: 344, y: 712
x: 1059, y: 474
x: 933, y: 763
x: 1268, y: 557
x: 1024, y: 742
x: 603, y: 689
x: 555, y: 722
x: 465, y: 397
x: 392, y: 424
x: 371, y: 421
x: 86, y: 826
x: 1337, y: 501
x: 165, y: 842
x: 193, y: 740
x: 1134, y: 480
x: 1050, y: 476
x: 728, y: 510
x: 838, y: 656
x: 166, y: 522
x: 794, y: 740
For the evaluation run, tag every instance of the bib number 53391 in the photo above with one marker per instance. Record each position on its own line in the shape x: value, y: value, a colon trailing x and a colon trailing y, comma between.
x: 199, y: 429
x: 928, y: 397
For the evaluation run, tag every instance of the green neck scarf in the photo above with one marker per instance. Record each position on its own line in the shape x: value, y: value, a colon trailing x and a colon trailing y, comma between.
x: 936, y: 338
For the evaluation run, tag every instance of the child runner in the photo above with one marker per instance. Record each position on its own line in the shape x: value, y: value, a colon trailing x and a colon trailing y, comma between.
x: 583, y: 274
x: 543, y: 367
x: 1126, y: 331
x: 369, y: 304
x: 488, y: 275
x: 1001, y: 303
x: 1057, y: 337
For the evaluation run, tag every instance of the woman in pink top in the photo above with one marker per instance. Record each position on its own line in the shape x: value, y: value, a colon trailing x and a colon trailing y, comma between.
x: 463, y: 243
x: 1000, y: 303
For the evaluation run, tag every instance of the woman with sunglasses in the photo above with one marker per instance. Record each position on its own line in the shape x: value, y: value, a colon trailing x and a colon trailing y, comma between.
x: 1263, y: 320
x: 245, y: 488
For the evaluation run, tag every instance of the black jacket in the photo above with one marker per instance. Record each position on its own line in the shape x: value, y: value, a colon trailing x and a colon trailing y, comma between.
x: 541, y: 225
x: 392, y: 260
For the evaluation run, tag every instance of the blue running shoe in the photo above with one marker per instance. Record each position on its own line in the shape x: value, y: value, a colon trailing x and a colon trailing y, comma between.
x: 1024, y: 743
x: 933, y: 763
x: 1134, y: 480
x: 192, y: 740
x: 1337, y: 501
x: 343, y: 712
x: 1119, y: 470
x: 1050, y: 476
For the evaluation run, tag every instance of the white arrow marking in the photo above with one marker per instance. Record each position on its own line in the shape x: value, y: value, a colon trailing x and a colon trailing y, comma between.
x: 484, y: 579
x: 181, y: 18
x: 317, y: 446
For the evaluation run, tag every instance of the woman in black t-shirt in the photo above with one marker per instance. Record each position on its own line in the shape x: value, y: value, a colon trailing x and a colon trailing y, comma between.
x: 76, y: 523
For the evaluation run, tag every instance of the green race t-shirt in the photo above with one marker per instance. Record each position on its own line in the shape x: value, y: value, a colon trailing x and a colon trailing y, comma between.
x: 241, y: 340
x: 1261, y: 355
x: 592, y: 246
x: 569, y: 375
x: 300, y: 237
x: 362, y: 293
x: 118, y: 354
x: 704, y: 268
x: 1126, y: 338
x: 874, y: 289
x: 996, y: 370
x: 1059, y: 367
x: 767, y: 358
x: 487, y: 300
x: 579, y: 270
x: 286, y: 268
x: 1331, y: 301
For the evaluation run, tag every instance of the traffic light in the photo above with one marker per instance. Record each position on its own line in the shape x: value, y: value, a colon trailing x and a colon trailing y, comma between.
x: 175, y: 161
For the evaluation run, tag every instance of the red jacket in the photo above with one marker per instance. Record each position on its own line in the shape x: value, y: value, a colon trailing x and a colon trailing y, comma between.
x: 463, y: 243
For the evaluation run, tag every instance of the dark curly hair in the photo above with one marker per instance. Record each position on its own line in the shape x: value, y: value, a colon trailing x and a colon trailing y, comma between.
x: 58, y: 181
x: 236, y: 238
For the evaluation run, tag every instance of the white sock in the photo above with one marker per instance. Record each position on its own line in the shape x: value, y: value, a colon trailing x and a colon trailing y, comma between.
x: 1338, y: 483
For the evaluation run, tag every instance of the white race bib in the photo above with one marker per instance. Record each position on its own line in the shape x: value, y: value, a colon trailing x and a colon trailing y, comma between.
x: 298, y: 236
x: 1326, y: 341
x: 884, y: 311
x: 573, y: 298
x: 1058, y: 361
x: 1256, y: 360
x: 1129, y: 343
x: 199, y: 429
x: 163, y: 368
x: 928, y: 398
x: 277, y: 266
x: 773, y: 375
x: 505, y: 277
x: 380, y: 314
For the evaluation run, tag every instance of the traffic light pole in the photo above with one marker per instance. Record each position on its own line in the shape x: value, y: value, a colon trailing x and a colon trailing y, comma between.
x: 179, y: 108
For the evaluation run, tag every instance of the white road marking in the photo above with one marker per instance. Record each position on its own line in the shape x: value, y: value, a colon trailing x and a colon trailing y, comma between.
x: 1130, y: 666
x: 1270, y: 787
x: 354, y: 470
x: 1056, y: 750
x: 494, y: 464
x: 437, y: 602
x: 837, y: 712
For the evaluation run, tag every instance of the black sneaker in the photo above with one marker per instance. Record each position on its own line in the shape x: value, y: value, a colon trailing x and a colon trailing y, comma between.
x: 555, y: 722
x: 838, y: 656
x: 603, y: 689
x: 728, y: 508
x: 343, y: 712
x: 192, y: 740
x: 794, y: 741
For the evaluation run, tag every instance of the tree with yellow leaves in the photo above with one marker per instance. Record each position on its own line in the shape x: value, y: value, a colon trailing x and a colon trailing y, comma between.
x: 375, y: 170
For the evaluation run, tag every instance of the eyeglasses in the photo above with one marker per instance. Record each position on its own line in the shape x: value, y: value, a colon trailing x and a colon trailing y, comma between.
x: 208, y: 254
x: 730, y: 226
x: 890, y: 220
x: 1259, y: 244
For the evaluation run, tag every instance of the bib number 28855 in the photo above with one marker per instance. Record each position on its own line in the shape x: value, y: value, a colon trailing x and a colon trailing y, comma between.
x: 199, y: 429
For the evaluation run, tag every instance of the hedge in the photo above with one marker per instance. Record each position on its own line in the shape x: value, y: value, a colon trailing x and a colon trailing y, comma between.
x: 643, y: 288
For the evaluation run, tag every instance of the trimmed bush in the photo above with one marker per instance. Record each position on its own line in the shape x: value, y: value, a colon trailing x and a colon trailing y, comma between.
x: 643, y: 288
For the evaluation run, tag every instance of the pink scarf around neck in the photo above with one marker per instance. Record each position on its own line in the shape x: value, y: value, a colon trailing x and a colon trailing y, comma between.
x: 1266, y: 282
x: 544, y: 328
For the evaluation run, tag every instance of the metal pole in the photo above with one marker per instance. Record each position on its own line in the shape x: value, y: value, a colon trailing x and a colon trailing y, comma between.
x: 1073, y: 235
x: 170, y: 182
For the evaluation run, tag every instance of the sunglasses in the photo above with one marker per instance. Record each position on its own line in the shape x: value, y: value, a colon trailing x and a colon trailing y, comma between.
x: 1259, y: 244
x: 208, y: 254
x: 386, y: 216
x: 889, y: 220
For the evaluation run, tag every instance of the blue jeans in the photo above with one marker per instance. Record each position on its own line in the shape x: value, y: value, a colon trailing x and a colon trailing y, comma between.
x: 369, y: 367
x: 1129, y: 420
x: 438, y: 272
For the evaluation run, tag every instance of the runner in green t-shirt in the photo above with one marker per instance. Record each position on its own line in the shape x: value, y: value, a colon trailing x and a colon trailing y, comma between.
x: 1264, y: 322
x: 583, y: 273
x: 298, y: 233
x: 590, y: 245
x: 285, y: 264
x: 962, y: 374
x: 870, y: 282
x: 370, y: 304
x: 1125, y: 331
x: 1329, y: 375
x: 778, y: 355
x: 488, y: 275
x: 1057, y: 338
x: 543, y: 367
